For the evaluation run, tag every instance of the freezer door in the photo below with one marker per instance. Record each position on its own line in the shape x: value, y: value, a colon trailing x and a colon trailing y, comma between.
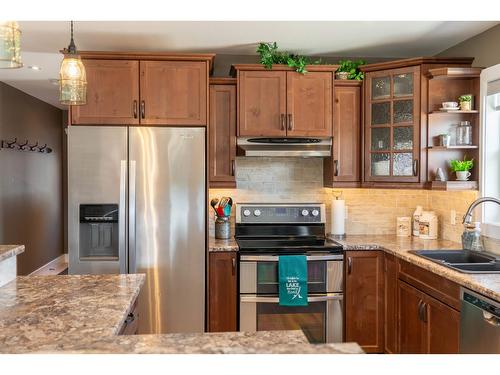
x: 97, y: 177
x: 167, y: 226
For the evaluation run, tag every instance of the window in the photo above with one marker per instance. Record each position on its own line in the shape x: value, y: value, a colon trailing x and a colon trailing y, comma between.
x: 490, y: 149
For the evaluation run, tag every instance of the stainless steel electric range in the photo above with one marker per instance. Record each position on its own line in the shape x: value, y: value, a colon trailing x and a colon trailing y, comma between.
x: 263, y: 233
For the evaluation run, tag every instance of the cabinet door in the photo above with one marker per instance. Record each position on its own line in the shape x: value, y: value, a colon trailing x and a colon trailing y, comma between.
x: 392, y: 127
x: 411, y: 330
x: 222, y: 292
x: 346, y: 134
x: 364, y: 299
x: 309, y: 104
x: 174, y: 92
x: 222, y: 135
x: 262, y: 103
x: 443, y: 327
x: 391, y: 304
x: 112, y: 93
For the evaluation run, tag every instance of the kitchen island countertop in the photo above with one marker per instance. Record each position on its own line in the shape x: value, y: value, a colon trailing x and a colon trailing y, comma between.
x: 8, y: 251
x: 84, y: 314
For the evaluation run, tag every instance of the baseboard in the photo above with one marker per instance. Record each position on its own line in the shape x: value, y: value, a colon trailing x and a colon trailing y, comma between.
x: 54, y: 267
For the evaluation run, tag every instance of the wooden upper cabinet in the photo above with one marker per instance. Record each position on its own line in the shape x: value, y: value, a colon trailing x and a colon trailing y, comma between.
x: 344, y: 167
x: 222, y: 292
x: 112, y: 93
x: 309, y: 104
x: 392, y: 125
x: 364, y: 299
x: 222, y: 135
x: 262, y: 103
x: 173, y: 92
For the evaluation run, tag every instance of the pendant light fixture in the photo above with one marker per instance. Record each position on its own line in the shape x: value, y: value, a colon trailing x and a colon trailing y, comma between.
x: 10, y: 45
x: 72, y: 77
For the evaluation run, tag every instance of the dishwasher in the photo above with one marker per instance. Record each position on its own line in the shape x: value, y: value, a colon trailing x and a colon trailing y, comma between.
x: 479, y: 324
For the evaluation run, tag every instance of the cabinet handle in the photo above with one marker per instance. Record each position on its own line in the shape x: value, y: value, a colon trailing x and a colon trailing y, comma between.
x: 135, y: 108
x: 349, y: 265
x: 283, y: 120
x: 232, y: 167
x: 143, y: 109
x: 130, y: 318
x: 233, y: 261
x: 415, y: 167
x: 420, y: 310
x: 290, y: 122
x: 335, y: 167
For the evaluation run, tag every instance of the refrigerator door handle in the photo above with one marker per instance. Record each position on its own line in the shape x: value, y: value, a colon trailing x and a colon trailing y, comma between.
x: 131, y: 219
x: 122, y: 245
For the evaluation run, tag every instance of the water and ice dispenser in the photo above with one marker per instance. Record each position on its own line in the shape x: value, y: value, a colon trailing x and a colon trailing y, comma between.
x: 98, y: 232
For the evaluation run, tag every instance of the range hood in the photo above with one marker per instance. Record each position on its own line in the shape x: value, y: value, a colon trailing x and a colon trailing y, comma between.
x: 280, y: 146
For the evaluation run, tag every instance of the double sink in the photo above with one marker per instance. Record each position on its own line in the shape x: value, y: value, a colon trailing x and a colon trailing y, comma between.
x: 462, y: 260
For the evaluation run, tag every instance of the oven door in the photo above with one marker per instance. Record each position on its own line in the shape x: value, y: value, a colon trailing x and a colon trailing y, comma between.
x: 259, y: 274
x: 321, y: 320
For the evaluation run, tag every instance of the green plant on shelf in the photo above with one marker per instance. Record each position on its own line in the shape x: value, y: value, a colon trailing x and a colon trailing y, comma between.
x: 270, y: 54
x: 461, y: 165
x: 352, y: 67
x: 465, y: 98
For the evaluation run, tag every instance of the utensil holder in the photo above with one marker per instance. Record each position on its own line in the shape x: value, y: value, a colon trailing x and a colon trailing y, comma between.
x: 222, y: 228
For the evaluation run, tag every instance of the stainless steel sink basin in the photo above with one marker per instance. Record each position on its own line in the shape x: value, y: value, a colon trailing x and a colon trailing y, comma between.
x: 462, y: 260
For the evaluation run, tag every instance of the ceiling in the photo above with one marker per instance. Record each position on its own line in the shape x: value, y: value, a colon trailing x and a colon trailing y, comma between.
x: 41, y: 41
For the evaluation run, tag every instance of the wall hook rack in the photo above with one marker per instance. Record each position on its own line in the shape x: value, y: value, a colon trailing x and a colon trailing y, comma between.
x: 25, y: 146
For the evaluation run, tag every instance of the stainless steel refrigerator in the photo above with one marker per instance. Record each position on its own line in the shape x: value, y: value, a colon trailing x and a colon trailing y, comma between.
x: 137, y: 204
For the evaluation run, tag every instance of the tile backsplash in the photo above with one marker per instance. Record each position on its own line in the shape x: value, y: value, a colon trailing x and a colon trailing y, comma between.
x: 369, y: 211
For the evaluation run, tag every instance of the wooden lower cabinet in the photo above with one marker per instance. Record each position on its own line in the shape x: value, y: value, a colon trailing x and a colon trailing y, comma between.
x: 222, y: 291
x: 426, y: 325
x: 391, y: 304
x: 364, y: 299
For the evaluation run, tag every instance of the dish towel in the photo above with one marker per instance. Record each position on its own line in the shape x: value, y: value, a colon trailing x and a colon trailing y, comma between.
x: 292, y: 272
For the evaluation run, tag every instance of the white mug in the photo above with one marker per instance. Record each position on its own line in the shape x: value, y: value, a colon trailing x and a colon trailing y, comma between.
x: 463, y: 175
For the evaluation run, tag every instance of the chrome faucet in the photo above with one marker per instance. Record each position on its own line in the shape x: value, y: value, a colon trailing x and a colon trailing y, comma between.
x: 468, y: 215
x: 466, y: 239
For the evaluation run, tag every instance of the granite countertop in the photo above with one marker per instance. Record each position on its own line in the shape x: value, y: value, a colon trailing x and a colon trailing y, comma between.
x: 215, y: 244
x: 35, y: 310
x: 84, y: 313
x: 486, y: 284
x: 263, y: 342
x: 7, y: 251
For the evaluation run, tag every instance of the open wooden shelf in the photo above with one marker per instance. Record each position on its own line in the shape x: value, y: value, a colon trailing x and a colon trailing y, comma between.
x: 454, y: 185
x: 453, y: 147
x: 453, y: 111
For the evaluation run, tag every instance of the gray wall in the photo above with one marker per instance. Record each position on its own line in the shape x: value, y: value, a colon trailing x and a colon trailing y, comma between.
x: 484, y: 47
x: 31, y: 211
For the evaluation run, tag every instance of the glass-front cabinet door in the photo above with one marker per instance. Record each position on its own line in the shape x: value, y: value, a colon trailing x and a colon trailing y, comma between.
x: 392, y: 125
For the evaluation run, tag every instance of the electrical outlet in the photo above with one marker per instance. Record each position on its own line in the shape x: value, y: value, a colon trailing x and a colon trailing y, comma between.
x: 453, y: 217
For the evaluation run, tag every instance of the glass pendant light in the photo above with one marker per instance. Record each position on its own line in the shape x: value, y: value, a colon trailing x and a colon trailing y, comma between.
x: 72, y: 77
x: 10, y: 45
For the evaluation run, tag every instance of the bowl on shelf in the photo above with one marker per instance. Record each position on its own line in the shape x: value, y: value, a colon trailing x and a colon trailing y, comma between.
x: 449, y: 105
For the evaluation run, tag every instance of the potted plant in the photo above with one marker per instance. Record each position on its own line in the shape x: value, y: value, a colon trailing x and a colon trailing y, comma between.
x: 462, y: 168
x: 349, y: 69
x: 465, y: 102
x: 270, y: 54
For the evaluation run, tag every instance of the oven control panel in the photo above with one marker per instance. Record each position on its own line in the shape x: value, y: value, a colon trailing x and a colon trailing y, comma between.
x: 280, y: 213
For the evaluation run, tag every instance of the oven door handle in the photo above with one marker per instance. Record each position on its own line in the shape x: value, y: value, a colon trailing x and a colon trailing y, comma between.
x: 275, y: 258
x: 262, y: 299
